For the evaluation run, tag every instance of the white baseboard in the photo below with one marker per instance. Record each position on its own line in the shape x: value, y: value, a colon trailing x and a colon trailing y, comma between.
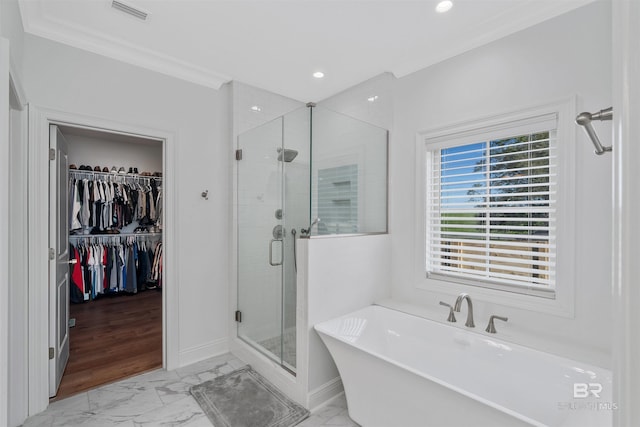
x: 201, y: 352
x: 321, y: 395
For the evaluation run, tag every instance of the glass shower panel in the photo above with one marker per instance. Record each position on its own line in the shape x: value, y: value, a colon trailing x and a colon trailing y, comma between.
x: 348, y: 176
x: 296, y: 128
x: 261, y: 238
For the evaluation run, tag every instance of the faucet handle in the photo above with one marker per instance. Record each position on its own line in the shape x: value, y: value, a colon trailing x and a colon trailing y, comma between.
x: 491, y: 328
x: 452, y: 317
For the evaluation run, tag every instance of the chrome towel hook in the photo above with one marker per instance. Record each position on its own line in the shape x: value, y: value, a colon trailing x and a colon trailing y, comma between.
x: 584, y: 120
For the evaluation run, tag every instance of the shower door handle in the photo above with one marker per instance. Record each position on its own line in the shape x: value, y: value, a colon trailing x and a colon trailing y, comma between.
x: 271, y: 252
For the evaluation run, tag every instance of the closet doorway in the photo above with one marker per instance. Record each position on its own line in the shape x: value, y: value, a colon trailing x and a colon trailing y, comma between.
x: 111, y: 221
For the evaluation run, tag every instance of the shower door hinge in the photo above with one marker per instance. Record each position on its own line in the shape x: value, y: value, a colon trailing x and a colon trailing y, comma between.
x: 52, y: 353
x: 238, y: 316
x: 52, y: 154
x: 238, y: 154
x: 52, y: 254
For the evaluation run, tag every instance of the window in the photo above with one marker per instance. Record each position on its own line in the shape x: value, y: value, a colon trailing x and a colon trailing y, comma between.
x: 491, y: 206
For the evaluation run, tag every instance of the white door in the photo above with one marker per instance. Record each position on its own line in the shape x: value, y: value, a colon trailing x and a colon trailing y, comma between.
x: 58, y: 258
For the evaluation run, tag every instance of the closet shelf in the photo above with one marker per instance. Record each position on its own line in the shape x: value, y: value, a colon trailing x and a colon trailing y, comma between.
x: 111, y: 175
x: 82, y: 236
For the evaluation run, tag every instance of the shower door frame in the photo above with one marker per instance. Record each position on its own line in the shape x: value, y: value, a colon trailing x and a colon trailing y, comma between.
x: 242, y: 150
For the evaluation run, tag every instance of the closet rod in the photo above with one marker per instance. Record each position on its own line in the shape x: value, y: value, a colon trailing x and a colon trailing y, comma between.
x: 126, y: 176
x: 584, y: 120
x: 91, y: 236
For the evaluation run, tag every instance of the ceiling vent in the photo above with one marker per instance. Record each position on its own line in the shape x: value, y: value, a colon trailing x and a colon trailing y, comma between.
x: 131, y: 10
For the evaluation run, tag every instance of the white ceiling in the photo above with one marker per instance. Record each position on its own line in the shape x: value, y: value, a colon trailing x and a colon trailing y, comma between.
x: 277, y: 45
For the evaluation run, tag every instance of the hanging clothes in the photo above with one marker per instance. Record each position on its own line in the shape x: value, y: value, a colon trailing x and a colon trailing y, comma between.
x: 98, y: 204
x: 76, y: 288
x: 115, y: 265
x: 131, y: 273
x: 144, y: 266
x: 159, y: 203
x: 156, y: 269
x: 74, y: 196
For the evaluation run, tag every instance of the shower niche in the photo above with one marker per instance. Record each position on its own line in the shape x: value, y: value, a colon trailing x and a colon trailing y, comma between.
x: 308, y: 174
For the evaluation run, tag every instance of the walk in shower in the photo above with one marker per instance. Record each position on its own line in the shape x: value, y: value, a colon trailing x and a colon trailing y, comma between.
x: 312, y: 172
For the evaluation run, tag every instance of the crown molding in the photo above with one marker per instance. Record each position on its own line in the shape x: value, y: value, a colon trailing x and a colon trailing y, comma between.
x: 35, y: 22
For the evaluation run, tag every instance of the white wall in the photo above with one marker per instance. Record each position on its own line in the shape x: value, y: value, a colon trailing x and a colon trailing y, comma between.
x: 11, y: 28
x: 71, y: 80
x: 344, y: 274
x: 15, y: 410
x: 109, y: 152
x: 370, y: 101
x: 568, y: 55
x: 271, y: 106
x: 18, y: 266
x: 11, y: 33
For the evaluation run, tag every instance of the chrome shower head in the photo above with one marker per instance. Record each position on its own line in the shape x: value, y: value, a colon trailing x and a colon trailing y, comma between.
x: 288, y: 154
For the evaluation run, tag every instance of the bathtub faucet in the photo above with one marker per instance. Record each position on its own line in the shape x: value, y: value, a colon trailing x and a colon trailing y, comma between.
x: 469, y: 323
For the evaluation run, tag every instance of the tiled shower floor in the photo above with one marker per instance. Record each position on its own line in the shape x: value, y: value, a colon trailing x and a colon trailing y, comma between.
x: 161, y: 398
x: 288, y: 346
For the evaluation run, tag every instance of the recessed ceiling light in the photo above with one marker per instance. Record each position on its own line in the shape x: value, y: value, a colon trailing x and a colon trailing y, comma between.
x: 373, y: 98
x: 256, y: 108
x: 318, y: 74
x: 444, y: 6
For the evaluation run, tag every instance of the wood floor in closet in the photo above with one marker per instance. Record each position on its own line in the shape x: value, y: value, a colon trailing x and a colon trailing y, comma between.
x: 114, y: 338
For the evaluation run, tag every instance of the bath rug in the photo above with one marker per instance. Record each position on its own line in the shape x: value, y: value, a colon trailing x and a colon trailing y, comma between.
x: 243, y: 398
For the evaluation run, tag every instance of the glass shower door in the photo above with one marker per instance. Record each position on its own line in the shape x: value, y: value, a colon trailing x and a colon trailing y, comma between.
x: 273, y: 206
x: 261, y: 238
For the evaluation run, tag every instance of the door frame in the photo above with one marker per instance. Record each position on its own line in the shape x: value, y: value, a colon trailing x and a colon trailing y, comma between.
x: 4, y: 224
x: 626, y: 208
x: 38, y: 171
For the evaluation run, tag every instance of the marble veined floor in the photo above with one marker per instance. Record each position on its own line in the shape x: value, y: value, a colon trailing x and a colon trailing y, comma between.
x: 161, y: 398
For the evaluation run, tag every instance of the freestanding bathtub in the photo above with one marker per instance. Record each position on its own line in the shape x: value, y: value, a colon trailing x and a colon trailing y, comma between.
x: 400, y: 370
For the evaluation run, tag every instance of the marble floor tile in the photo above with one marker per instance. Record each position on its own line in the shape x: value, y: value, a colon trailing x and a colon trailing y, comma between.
x: 161, y: 398
x: 184, y: 413
x: 312, y: 421
x: 121, y: 401
x: 341, y: 420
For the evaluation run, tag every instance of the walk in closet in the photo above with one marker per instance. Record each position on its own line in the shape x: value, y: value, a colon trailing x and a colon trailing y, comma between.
x: 115, y: 225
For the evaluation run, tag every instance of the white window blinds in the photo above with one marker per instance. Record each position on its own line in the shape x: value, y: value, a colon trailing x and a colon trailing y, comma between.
x: 491, y: 206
